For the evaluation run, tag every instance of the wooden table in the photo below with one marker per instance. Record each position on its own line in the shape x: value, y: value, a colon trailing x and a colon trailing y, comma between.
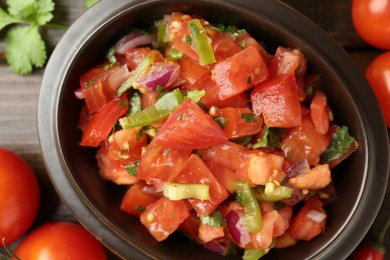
x: 19, y: 94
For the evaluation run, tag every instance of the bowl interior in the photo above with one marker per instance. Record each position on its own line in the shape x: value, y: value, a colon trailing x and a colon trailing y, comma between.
x: 98, y: 206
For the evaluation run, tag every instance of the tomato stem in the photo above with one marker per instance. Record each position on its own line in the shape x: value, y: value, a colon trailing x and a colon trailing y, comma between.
x: 9, y: 252
x: 381, y: 236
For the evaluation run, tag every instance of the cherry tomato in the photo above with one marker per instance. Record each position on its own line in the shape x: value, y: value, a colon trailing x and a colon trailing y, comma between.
x: 371, y: 19
x: 60, y: 240
x: 19, y: 196
x: 378, y: 75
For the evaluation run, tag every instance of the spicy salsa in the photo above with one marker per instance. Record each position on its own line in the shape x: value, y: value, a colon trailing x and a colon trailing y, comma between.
x: 214, y: 136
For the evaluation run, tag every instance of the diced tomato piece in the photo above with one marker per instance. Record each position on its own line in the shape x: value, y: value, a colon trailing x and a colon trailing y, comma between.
x: 257, y: 167
x: 319, y: 112
x: 240, y: 122
x: 137, y: 198
x: 224, y: 175
x: 316, y: 178
x: 208, y: 233
x: 283, y: 221
x: 112, y: 170
x: 191, y: 71
x: 99, y: 84
x: 290, y: 62
x: 195, y: 171
x: 246, y: 41
x: 135, y: 55
x: 180, y: 43
x: 94, y: 96
x: 224, y: 47
x: 303, y: 226
x: 285, y: 62
x: 225, y: 208
x: 159, y: 165
x: 304, y: 142
x: 278, y: 102
x: 212, y: 94
x: 262, y: 239
x: 85, y: 117
x: 164, y: 216
x: 227, y: 154
x: 102, y: 122
x: 148, y: 98
x: 188, y: 128
x: 190, y: 227
x: 175, y: 22
x: 285, y: 240
x: 239, y: 72
x: 126, y: 145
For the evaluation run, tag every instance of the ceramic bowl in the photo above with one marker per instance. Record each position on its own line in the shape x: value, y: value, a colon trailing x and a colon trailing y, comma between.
x: 361, y: 180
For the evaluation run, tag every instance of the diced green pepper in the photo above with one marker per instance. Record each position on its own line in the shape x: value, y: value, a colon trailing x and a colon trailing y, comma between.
x: 142, y: 67
x: 252, y: 218
x: 272, y: 194
x: 179, y: 191
x: 161, y: 109
x: 253, y: 254
x: 200, y: 42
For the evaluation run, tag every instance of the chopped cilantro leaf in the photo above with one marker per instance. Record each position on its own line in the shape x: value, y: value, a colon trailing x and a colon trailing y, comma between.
x: 132, y: 168
x: 24, y: 45
x: 25, y: 49
x: 339, y: 145
x: 221, y: 121
x: 215, y: 219
x: 37, y: 12
x: 140, y: 208
x: 180, y: 117
x: 249, y: 117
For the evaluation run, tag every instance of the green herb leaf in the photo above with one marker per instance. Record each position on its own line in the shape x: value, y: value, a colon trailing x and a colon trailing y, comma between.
x: 25, y: 49
x: 38, y: 12
x: 339, y: 145
x: 195, y: 95
x: 215, y: 219
x: 135, y: 102
x: 111, y: 55
x: 271, y: 138
x: 132, y: 168
x: 140, y: 208
x: 221, y: 121
x: 89, y: 3
x: 249, y: 117
x: 5, y: 19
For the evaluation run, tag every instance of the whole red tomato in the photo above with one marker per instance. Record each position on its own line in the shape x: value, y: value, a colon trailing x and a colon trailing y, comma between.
x: 19, y: 196
x: 60, y: 240
x: 378, y: 75
x: 371, y: 19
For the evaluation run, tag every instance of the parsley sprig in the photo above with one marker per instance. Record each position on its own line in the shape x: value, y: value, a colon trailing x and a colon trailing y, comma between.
x: 25, y: 48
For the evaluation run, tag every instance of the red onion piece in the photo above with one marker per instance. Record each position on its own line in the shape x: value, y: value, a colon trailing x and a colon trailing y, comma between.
x: 132, y: 40
x: 297, y: 168
x: 79, y: 93
x: 236, y: 228
x: 316, y: 216
x: 214, y: 246
x: 161, y: 73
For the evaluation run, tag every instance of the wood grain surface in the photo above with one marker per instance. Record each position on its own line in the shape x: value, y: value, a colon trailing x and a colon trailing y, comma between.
x: 19, y: 94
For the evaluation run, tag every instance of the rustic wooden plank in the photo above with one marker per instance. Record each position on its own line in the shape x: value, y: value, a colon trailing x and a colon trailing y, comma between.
x: 334, y: 17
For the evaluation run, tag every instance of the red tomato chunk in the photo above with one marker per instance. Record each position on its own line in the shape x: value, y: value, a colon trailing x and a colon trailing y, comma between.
x: 214, y: 136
